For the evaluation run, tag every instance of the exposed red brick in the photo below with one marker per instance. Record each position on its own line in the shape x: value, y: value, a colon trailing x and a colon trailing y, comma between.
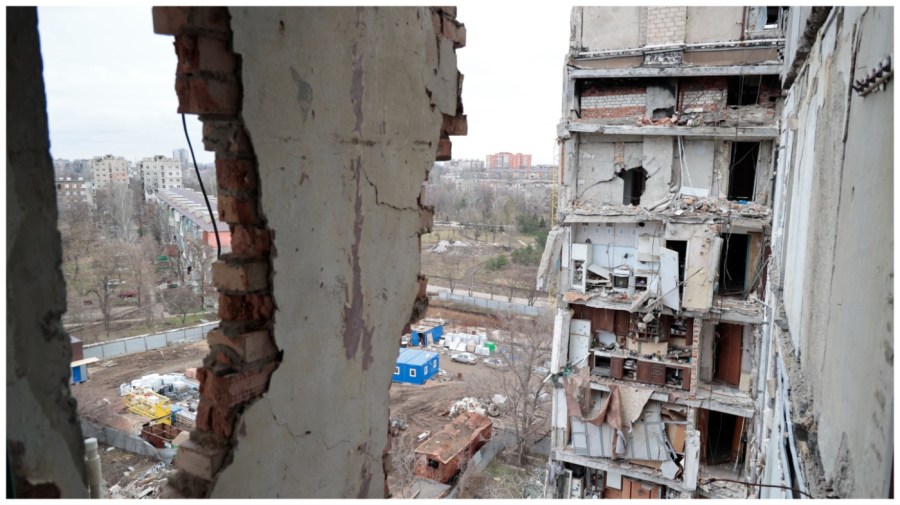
x: 444, y: 150
x: 170, y: 20
x: 187, y: 51
x: 455, y: 31
x: 232, y: 276
x: 203, y: 421
x: 255, y: 307
x: 249, y: 242
x: 426, y: 219
x: 207, y: 95
x: 226, y: 137
x: 226, y: 391
x: 235, y: 174
x: 212, y: 19
x: 454, y: 125
x: 251, y: 346
x: 237, y: 210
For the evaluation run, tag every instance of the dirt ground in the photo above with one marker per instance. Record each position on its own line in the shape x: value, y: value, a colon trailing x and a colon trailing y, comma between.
x: 98, y: 398
x: 424, y: 407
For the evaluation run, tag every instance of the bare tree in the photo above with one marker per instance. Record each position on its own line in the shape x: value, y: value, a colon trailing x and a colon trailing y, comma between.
x: 106, y: 267
x: 180, y: 301
x: 525, y: 280
x: 403, y: 464
x: 117, y: 203
x: 528, y: 347
x: 140, y: 259
x: 452, y: 269
x: 79, y: 235
x: 199, y: 258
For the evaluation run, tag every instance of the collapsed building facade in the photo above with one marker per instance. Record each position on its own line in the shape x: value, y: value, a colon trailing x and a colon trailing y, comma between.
x: 671, y: 138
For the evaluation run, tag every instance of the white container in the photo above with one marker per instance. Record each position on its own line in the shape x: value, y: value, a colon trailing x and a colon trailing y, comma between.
x: 168, y: 379
x: 124, y: 389
x: 157, y: 383
x: 136, y: 384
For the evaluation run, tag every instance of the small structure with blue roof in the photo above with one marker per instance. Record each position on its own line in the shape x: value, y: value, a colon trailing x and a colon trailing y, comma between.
x: 415, y: 366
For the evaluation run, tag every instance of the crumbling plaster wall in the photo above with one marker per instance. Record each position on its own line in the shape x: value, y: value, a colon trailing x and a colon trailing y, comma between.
x: 43, y: 437
x: 838, y: 258
x: 344, y: 107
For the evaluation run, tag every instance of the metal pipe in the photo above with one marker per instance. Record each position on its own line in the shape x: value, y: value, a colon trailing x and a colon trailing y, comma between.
x: 92, y: 460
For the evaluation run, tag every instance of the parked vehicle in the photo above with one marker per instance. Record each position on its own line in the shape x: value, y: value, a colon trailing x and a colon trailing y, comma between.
x: 497, y: 363
x: 465, y: 357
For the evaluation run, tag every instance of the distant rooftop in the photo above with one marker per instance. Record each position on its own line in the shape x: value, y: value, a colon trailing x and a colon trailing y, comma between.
x: 191, y: 204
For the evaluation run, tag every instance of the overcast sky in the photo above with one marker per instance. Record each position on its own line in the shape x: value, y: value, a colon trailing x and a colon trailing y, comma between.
x: 110, y: 81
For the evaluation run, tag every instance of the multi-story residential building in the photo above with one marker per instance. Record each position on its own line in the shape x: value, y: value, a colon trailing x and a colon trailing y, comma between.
x: 108, y: 169
x: 159, y: 173
x: 668, y: 138
x: 508, y: 160
x: 188, y: 218
x: 72, y: 190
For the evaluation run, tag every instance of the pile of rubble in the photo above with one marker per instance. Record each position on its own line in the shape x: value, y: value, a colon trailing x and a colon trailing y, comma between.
x: 497, y: 405
x: 148, y: 485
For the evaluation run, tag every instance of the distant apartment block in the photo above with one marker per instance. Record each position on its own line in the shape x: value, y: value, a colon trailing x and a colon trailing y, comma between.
x: 159, y: 173
x: 508, y: 160
x: 72, y: 190
x: 182, y: 156
x: 108, y: 169
x: 188, y: 217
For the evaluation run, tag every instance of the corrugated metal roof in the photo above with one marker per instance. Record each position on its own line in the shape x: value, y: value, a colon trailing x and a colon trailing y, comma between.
x: 415, y: 357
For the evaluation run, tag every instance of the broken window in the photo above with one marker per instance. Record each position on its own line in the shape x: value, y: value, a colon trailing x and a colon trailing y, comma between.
x: 733, y: 264
x: 635, y: 181
x: 722, y: 437
x: 773, y: 16
x: 433, y: 463
x: 742, y: 170
x: 680, y: 247
x: 743, y: 90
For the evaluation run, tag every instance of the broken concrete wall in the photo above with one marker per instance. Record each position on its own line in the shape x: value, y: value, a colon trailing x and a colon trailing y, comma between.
x: 342, y: 151
x: 45, y: 451
x: 697, y: 168
x: 598, y: 164
x: 658, y: 157
x: 838, y: 260
x: 713, y: 24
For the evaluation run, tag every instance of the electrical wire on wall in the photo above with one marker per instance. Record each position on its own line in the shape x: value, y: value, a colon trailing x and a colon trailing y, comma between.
x: 212, y: 218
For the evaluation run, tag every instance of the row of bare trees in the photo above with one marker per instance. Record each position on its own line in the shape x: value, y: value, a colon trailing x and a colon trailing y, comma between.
x: 111, y: 261
x: 515, y: 281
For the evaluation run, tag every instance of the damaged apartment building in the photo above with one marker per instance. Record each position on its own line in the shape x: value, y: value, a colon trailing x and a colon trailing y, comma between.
x: 670, y: 143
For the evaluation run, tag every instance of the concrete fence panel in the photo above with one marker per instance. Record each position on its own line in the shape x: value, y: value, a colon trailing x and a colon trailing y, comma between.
x: 155, y: 341
x: 135, y: 344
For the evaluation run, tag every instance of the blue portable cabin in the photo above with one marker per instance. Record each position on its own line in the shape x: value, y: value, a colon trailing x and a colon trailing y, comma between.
x: 415, y: 366
x: 427, y: 328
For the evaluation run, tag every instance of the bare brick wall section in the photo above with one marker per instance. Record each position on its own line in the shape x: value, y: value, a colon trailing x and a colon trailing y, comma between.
x: 614, y: 101
x: 242, y: 353
x: 665, y: 25
x: 706, y: 93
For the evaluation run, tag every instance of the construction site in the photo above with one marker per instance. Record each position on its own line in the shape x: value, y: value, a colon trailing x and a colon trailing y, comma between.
x: 717, y: 284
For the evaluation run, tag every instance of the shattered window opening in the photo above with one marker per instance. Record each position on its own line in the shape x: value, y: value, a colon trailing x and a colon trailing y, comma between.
x: 742, y: 171
x: 635, y: 183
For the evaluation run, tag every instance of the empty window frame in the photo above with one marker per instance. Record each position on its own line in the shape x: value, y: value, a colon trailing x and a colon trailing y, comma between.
x: 635, y: 182
x: 733, y: 264
x: 743, y: 89
x: 742, y: 171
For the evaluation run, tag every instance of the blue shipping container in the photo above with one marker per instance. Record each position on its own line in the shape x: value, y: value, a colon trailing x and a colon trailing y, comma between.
x: 415, y: 366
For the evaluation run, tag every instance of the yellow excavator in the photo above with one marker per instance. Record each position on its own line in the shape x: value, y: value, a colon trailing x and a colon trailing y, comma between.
x: 146, y: 403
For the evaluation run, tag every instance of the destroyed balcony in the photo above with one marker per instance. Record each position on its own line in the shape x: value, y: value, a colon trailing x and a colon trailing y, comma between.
x: 736, y: 107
